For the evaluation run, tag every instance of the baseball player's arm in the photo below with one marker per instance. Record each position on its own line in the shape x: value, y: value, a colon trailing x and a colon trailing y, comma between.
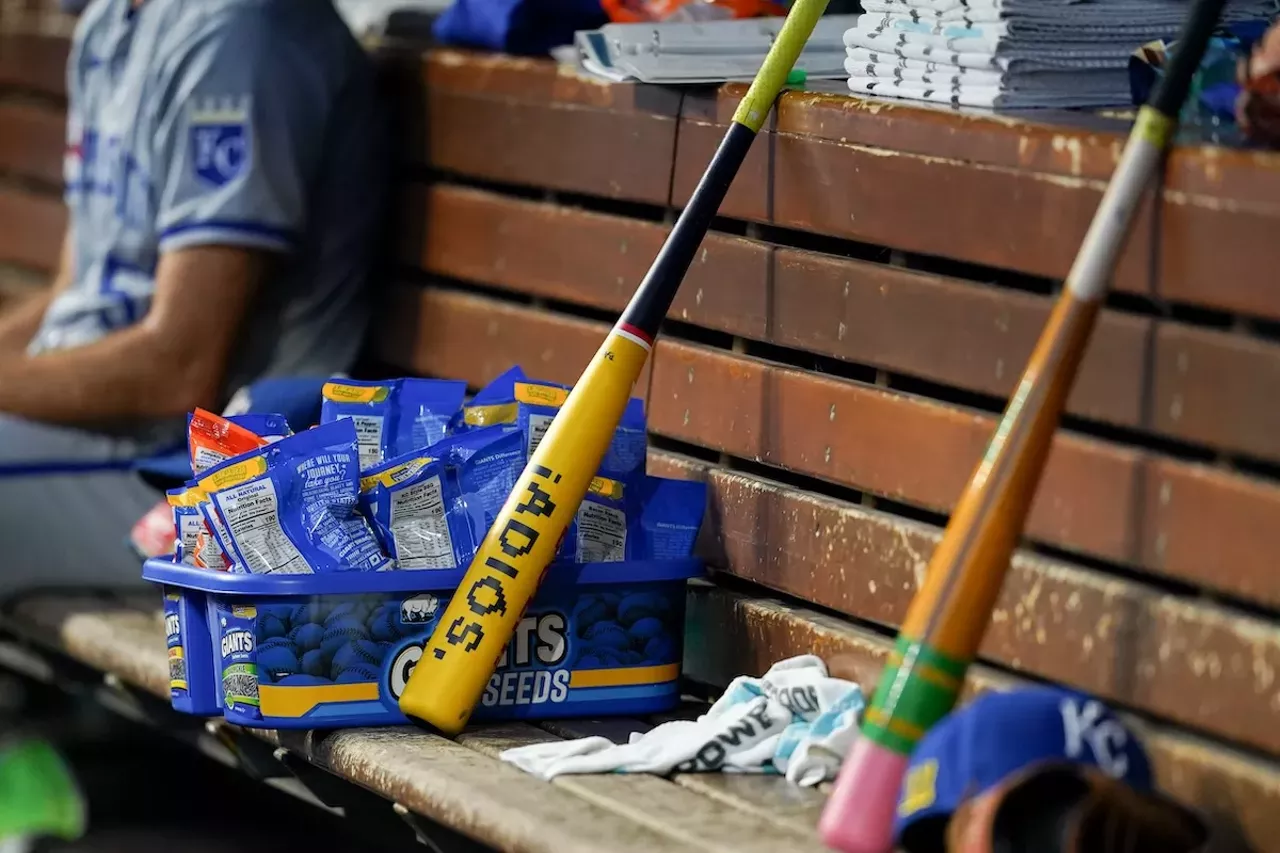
x: 169, y: 363
x: 18, y: 324
x: 236, y: 145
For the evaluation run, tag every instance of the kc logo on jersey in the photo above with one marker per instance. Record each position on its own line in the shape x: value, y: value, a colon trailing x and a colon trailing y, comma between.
x: 220, y: 143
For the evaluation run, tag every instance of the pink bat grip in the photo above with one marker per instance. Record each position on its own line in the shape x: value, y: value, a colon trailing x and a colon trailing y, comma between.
x: 858, y: 817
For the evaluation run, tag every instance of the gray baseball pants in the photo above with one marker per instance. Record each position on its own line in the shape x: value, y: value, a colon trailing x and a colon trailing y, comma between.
x: 67, y: 503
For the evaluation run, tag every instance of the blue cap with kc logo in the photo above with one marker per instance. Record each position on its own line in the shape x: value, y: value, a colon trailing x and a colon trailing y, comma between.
x: 1002, y: 733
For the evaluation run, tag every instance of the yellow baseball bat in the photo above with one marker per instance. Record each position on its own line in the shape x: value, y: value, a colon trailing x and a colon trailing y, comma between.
x: 463, y: 652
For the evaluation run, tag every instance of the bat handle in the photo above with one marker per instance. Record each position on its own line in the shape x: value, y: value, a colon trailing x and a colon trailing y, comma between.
x: 1172, y: 88
x: 861, y: 820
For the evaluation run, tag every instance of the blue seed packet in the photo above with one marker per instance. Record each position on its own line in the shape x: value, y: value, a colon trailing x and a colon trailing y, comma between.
x: 647, y: 518
x: 598, y: 532
x: 295, y: 513
x: 528, y: 406
x: 211, y: 548
x: 485, y: 480
x: 539, y: 402
x: 409, y: 501
x: 187, y: 523
x: 395, y: 416
x: 431, y: 509
x: 459, y: 448
x: 671, y: 513
x: 213, y: 551
x: 492, y: 405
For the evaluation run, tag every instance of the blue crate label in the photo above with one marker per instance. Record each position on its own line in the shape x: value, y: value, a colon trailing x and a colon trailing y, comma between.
x: 173, y: 641
x: 326, y: 656
x: 347, y: 656
x: 531, y: 669
x: 238, y: 656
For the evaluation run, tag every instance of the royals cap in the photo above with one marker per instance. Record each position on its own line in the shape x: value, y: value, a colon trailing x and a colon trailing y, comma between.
x: 1003, y: 733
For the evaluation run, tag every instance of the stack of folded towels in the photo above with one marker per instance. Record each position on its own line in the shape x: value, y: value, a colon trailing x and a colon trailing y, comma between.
x: 1012, y: 53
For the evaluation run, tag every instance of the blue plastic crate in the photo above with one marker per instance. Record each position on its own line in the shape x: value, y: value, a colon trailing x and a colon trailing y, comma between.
x: 335, y: 650
x: 192, y: 677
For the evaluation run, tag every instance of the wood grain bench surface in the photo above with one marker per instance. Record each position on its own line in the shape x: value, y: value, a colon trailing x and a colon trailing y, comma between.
x: 463, y: 786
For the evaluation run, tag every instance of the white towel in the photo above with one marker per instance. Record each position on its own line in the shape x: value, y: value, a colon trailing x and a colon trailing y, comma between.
x: 973, y: 67
x: 864, y: 63
x: 1051, y: 35
x: 969, y: 95
x: 1101, y: 81
x: 999, y: 27
x: 1011, y: 53
x: 1167, y: 12
x: 795, y: 720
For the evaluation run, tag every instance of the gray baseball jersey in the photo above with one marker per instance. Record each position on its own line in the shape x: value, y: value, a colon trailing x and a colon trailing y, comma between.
x: 223, y: 122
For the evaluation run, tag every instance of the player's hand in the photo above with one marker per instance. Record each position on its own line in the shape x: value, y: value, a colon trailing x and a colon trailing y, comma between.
x: 1258, y: 107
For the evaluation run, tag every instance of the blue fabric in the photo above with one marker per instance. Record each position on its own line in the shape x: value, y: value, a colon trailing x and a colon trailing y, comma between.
x: 297, y: 398
x: 998, y: 734
x: 530, y: 27
x: 1216, y: 86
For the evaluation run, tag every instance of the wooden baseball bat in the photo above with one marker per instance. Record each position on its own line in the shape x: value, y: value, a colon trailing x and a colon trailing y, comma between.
x: 950, y: 613
x: 462, y: 653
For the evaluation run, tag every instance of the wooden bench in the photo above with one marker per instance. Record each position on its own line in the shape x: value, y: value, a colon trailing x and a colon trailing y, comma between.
x: 461, y: 785
x: 832, y: 368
